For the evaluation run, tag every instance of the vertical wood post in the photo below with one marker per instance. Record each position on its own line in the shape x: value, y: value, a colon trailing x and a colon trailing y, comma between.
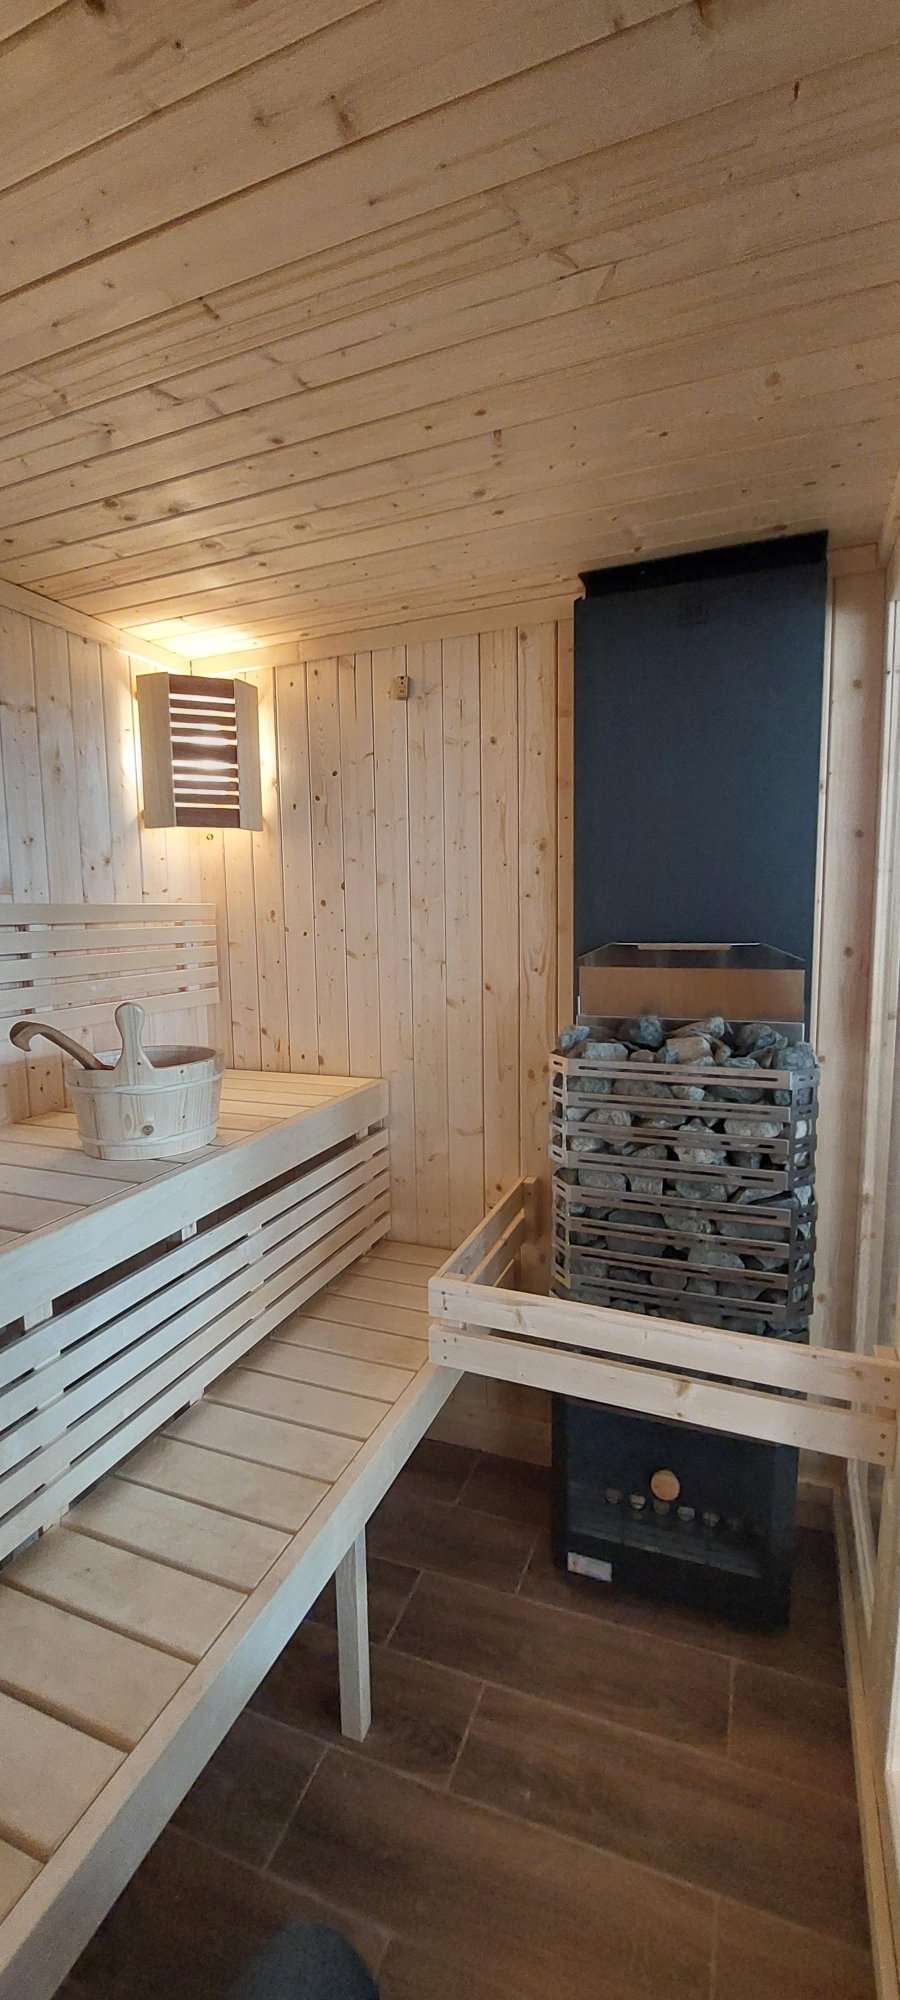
x: 353, y: 1641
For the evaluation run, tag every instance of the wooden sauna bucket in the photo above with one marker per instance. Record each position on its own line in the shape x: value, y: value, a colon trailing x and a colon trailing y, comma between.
x: 152, y: 1104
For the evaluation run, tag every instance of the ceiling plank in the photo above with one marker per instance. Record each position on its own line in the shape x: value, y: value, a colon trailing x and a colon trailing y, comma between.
x: 672, y: 68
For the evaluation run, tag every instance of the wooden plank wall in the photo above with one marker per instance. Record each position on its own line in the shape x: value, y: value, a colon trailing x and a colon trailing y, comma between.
x: 70, y: 825
x: 842, y: 976
x: 397, y: 914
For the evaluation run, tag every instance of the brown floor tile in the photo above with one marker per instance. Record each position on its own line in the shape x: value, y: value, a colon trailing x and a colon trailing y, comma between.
x: 687, y: 1813
x: 672, y: 1691
x: 506, y: 1486
x: 792, y: 1728
x: 420, y: 1714
x: 243, y: 1800
x: 389, y: 1587
x: 519, y: 1905
x: 758, y: 1956
x: 437, y: 1471
x: 810, y: 1645
x: 454, y: 1540
x: 412, y: 1972
x: 191, y: 1919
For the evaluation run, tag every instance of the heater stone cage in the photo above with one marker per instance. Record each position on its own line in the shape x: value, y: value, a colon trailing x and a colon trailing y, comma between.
x: 685, y: 1192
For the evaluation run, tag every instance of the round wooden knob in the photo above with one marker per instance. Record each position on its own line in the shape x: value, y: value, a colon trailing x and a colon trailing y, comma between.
x: 665, y: 1485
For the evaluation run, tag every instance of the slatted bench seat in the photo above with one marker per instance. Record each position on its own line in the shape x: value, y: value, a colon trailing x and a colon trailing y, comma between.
x: 132, y: 1635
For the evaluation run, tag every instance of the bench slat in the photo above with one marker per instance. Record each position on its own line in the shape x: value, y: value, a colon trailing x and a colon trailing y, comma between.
x: 289, y: 1447
x: 146, y: 1600
x: 298, y: 1402
x: 380, y: 1291
x: 364, y: 1343
x: 49, y: 1773
x: 175, y: 1531
x: 360, y: 1377
x: 415, y: 1253
x: 240, y: 1489
x: 82, y: 1673
x: 331, y: 1305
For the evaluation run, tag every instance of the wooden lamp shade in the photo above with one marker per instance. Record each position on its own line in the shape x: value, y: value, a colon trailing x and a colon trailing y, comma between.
x: 199, y: 751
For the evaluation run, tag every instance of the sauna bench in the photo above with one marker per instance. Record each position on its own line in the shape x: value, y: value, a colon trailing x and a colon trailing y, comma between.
x: 201, y: 1505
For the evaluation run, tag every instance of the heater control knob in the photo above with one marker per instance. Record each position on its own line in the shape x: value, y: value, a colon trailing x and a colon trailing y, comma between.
x: 665, y: 1485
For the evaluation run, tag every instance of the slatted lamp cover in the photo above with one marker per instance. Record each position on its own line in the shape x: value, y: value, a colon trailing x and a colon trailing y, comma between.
x: 199, y: 751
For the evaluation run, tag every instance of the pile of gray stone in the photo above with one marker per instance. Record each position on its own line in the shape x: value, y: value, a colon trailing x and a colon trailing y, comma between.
x: 684, y: 1158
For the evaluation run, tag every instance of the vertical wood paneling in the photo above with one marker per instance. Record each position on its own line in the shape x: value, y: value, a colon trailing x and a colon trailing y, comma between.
x: 500, y: 908
x: 462, y: 874
x: 244, y: 971
x: 268, y: 888
x: 392, y: 896
x: 95, y: 833
x: 297, y: 866
x: 358, y: 829
x: 121, y: 775
x: 565, y: 822
x: 841, y: 1000
x: 29, y: 878
x: 428, y: 939
x: 53, y: 703
x: 5, y: 863
x: 537, y: 905
x: 211, y: 888
x: 328, y: 866
x: 154, y: 853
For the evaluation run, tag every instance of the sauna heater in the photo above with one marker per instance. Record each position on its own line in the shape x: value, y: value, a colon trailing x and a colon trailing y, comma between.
x: 687, y: 1189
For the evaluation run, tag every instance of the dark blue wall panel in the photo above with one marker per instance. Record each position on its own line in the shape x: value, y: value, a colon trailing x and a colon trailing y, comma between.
x: 698, y: 690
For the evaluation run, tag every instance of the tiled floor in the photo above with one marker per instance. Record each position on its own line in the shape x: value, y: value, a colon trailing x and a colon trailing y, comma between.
x: 560, y: 1791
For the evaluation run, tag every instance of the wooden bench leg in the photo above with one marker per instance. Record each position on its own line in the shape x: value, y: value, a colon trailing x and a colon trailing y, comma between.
x: 353, y: 1641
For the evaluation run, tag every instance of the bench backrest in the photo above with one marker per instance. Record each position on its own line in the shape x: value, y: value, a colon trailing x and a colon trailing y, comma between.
x: 71, y: 963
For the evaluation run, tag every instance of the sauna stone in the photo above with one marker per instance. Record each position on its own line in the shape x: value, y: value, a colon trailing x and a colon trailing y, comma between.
x: 690, y: 1221
x: 604, y: 1178
x: 752, y: 1128
x: 688, y: 1049
x: 646, y: 1033
x: 698, y: 1190
x: 673, y: 1279
x: 644, y: 1087
x: 640, y: 1217
x: 719, y: 1255
x: 696, y: 1155
x: 685, y: 1093
x: 571, y: 1038
x: 648, y: 1184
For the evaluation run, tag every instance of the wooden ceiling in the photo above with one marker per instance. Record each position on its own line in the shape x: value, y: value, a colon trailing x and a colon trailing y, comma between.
x: 322, y: 312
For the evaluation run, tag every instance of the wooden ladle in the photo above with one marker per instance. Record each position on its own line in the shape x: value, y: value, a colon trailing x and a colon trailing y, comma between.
x: 22, y: 1034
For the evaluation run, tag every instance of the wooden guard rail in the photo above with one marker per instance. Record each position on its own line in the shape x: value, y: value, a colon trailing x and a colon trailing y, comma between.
x: 840, y: 1403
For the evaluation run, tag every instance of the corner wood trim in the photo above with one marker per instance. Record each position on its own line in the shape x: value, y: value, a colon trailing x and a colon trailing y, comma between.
x: 880, y: 1861
x: 374, y: 638
x: 48, y: 612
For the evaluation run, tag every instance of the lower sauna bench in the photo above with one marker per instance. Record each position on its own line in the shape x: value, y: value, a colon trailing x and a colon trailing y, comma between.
x: 133, y: 1632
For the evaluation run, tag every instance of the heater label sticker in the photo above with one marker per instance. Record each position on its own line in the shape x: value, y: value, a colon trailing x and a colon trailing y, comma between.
x: 589, y: 1566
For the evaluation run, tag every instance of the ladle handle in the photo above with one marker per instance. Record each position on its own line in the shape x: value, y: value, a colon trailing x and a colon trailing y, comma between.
x: 133, y: 1065
x: 22, y: 1034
